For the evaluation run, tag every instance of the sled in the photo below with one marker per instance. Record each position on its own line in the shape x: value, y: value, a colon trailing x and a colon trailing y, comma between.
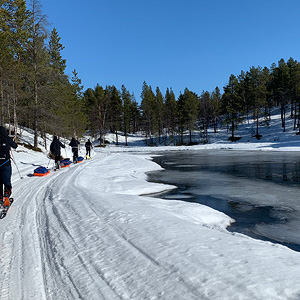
x: 80, y: 159
x: 65, y: 163
x: 41, y: 171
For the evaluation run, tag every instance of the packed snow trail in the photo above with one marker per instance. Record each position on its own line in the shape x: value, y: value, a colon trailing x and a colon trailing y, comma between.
x: 85, y: 233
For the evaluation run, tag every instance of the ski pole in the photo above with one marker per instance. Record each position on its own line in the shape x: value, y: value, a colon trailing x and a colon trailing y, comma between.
x: 13, y: 158
x: 48, y: 162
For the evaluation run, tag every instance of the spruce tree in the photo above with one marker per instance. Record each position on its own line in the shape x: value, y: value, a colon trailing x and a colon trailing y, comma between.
x: 75, y: 119
x: 55, y: 48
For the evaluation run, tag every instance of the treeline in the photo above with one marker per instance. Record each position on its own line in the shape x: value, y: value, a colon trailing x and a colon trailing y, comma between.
x: 250, y: 95
x: 258, y: 90
x: 35, y: 92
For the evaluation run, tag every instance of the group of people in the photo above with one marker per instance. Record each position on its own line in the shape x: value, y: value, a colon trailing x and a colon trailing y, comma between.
x: 56, y: 145
x: 6, y: 143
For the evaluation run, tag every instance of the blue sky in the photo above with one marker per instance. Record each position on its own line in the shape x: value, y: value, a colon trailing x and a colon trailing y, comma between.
x: 174, y: 44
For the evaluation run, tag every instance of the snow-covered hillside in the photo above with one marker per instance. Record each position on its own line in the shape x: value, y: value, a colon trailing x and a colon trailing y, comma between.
x: 85, y: 232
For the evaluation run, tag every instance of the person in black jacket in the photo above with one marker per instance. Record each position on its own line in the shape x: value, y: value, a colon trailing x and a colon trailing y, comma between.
x: 88, y: 146
x: 5, y: 166
x: 55, y: 150
x: 74, y: 144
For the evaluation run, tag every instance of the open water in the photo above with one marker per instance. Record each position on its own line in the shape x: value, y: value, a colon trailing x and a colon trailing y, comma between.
x: 260, y: 190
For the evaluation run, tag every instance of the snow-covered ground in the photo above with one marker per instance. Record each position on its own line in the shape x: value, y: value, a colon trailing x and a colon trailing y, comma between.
x: 85, y: 232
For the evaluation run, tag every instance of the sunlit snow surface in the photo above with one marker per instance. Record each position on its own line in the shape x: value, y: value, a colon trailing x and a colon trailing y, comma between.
x: 85, y: 233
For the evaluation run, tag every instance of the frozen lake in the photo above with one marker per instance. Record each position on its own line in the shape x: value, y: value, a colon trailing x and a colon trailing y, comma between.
x: 260, y: 190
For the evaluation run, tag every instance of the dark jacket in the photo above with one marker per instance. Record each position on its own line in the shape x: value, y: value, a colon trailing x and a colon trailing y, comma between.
x: 74, y: 143
x: 55, y: 146
x: 88, y: 145
x: 5, y: 144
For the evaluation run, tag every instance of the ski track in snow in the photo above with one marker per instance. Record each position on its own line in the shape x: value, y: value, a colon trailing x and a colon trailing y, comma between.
x: 95, y: 269
x: 60, y: 261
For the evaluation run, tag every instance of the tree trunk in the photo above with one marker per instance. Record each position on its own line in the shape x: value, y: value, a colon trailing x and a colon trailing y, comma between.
x: 2, y: 102
x: 117, y: 137
x: 295, y: 116
x: 35, y: 116
x: 15, y: 112
x: 283, y: 119
x: 8, y: 115
x: 257, y: 124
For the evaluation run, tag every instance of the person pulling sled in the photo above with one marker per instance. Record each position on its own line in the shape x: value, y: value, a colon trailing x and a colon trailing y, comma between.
x: 88, y: 147
x: 55, y: 150
x: 74, y: 144
x: 6, y: 143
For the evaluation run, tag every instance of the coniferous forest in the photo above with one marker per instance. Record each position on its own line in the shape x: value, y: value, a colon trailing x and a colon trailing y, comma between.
x: 35, y: 92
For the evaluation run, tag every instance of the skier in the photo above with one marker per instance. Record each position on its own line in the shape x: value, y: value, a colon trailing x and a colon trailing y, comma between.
x: 74, y: 144
x: 88, y: 146
x: 5, y: 166
x: 55, y: 150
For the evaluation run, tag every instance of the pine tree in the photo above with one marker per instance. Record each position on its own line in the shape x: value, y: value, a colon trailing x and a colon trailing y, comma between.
x: 170, y: 112
x: 191, y: 106
x: 14, y: 18
x: 206, y: 113
x: 257, y: 91
x: 216, y: 104
x: 159, y: 112
x: 148, y: 106
x: 280, y: 87
x: 115, y: 110
x: 90, y: 110
x: 135, y: 115
x: 38, y: 62
x: 231, y: 101
x: 181, y: 116
x: 100, y: 110
x: 294, y: 89
x: 126, y: 102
